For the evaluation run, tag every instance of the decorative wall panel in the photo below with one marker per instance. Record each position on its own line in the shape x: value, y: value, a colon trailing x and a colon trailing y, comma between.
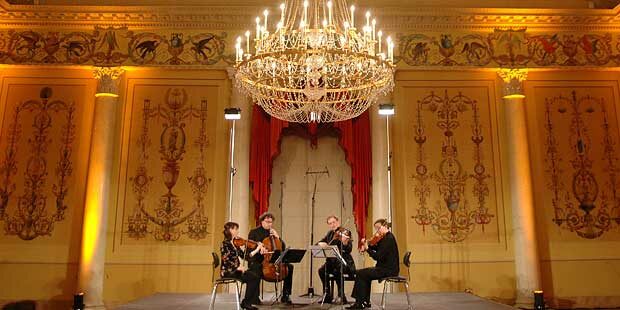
x: 451, y: 161
x: 112, y: 47
x: 32, y: 121
x: 167, y: 170
x: 38, y: 159
x: 515, y: 48
x: 581, y: 162
x: 170, y: 151
x: 116, y: 47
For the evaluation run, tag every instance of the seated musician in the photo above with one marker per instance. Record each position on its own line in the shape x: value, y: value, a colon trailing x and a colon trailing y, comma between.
x: 231, y: 265
x: 258, y: 234
x: 385, y: 252
x: 340, y: 237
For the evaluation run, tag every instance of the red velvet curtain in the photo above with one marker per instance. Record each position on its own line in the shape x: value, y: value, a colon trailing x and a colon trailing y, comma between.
x: 354, y: 138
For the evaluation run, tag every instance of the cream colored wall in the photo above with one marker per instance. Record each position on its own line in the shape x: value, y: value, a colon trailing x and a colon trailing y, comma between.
x: 45, y: 268
x: 293, y: 219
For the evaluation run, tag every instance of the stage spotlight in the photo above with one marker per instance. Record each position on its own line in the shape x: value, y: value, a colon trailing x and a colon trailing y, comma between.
x: 386, y: 109
x: 232, y: 113
x: 539, y: 300
x: 78, y: 301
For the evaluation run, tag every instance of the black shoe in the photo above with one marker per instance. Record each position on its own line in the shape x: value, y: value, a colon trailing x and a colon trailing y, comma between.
x: 248, y: 306
x: 286, y: 300
x: 328, y: 299
x: 366, y: 304
x: 356, y: 306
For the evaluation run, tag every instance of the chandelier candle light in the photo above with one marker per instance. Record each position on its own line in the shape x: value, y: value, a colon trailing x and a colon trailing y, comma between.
x: 315, y: 66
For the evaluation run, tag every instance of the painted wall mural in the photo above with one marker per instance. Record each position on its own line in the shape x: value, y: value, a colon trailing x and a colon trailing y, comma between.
x: 116, y: 47
x: 583, y: 171
x: 510, y: 48
x: 29, y: 144
x: 453, y: 216
x: 112, y: 47
x: 163, y: 213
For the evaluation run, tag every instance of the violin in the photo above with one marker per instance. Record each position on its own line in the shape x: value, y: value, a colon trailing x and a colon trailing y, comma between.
x: 273, y: 272
x: 249, y: 244
x: 375, y: 239
x: 341, y: 234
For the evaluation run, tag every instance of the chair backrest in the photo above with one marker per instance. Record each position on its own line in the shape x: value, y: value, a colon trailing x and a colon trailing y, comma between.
x: 216, y: 260
x: 407, y: 259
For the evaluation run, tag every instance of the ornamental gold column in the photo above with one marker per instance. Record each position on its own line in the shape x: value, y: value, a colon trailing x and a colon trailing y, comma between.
x: 527, y: 264
x: 241, y: 180
x: 94, y: 226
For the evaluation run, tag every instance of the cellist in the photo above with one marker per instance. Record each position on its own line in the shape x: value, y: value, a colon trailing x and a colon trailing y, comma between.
x: 384, y: 250
x: 258, y: 234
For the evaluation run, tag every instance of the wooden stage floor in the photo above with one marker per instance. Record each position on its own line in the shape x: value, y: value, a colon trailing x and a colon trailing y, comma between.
x: 420, y: 301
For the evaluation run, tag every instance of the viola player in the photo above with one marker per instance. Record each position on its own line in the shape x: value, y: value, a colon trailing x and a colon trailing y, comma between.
x: 340, y: 237
x: 385, y: 252
x: 231, y: 265
x: 258, y: 234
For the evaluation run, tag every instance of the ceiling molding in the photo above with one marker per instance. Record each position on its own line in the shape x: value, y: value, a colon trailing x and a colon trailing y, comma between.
x: 241, y: 17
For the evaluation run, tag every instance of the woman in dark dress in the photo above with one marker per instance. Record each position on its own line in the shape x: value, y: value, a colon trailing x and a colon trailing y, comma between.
x: 231, y: 264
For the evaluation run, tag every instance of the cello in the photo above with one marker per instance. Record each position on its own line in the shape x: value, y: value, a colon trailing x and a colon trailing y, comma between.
x: 273, y: 272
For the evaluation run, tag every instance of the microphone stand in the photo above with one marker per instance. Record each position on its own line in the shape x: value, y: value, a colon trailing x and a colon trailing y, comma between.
x: 316, y: 175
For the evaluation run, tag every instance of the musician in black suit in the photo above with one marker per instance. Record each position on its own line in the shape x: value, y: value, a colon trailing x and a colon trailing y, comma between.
x: 258, y: 234
x: 340, y: 237
x: 385, y: 252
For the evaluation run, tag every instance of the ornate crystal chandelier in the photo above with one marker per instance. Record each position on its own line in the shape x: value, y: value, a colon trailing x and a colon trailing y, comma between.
x: 315, y: 65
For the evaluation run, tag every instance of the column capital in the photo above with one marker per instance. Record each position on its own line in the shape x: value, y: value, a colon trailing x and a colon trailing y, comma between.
x: 231, y: 73
x: 513, y: 82
x: 107, y: 77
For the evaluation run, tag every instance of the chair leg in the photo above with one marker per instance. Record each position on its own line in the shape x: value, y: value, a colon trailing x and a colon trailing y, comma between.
x: 407, y: 292
x: 237, y: 293
x: 241, y: 289
x: 383, y: 295
x: 213, y: 294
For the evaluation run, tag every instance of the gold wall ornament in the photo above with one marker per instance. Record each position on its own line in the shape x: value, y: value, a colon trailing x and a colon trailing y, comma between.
x: 107, y: 77
x: 164, y: 218
x: 315, y: 65
x: 453, y: 219
x: 513, y: 82
x: 588, y: 205
x: 31, y: 217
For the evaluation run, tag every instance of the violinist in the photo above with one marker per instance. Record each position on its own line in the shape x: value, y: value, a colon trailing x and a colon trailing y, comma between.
x: 231, y: 265
x: 259, y: 234
x: 340, y: 237
x: 384, y: 250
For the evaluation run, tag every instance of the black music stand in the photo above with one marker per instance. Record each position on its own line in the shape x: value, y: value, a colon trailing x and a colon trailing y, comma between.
x: 288, y: 256
x: 330, y: 251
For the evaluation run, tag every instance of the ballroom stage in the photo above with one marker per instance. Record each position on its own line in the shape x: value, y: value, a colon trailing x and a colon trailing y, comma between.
x: 421, y: 301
